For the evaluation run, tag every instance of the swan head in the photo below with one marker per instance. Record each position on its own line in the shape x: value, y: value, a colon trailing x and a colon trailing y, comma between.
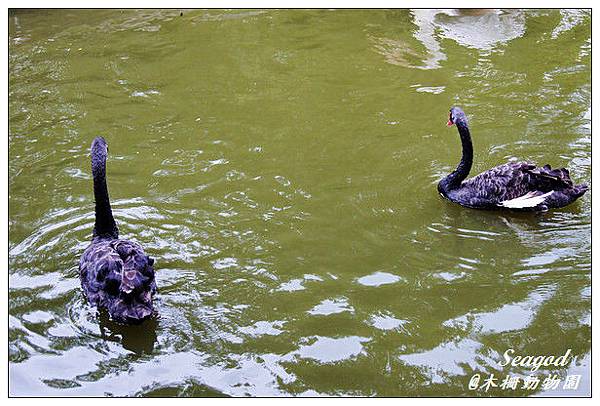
x: 458, y: 117
x: 99, y: 154
x: 99, y: 145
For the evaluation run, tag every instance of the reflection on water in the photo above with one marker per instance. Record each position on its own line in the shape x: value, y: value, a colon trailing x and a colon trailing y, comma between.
x: 481, y: 29
x: 327, y: 350
x: 329, y: 306
x: 378, y: 279
x: 139, y: 339
x: 281, y: 166
x: 387, y: 322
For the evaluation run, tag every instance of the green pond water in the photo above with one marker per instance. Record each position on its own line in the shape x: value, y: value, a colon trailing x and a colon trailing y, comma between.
x: 281, y: 166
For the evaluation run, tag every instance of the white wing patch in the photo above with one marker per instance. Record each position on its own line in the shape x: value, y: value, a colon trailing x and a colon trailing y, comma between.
x: 530, y: 199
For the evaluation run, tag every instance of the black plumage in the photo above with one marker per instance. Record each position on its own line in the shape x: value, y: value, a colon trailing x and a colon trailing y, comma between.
x: 115, y: 274
x: 516, y: 185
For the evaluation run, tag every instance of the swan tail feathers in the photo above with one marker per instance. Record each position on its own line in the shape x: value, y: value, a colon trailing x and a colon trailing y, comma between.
x: 559, y: 177
x: 528, y: 200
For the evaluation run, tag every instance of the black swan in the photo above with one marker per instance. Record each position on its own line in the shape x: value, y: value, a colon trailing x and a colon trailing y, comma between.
x: 516, y: 185
x: 115, y: 274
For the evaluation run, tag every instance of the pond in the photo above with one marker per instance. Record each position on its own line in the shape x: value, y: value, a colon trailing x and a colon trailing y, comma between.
x: 281, y: 166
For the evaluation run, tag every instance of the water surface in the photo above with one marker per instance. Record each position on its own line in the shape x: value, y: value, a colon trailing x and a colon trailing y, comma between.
x: 282, y: 168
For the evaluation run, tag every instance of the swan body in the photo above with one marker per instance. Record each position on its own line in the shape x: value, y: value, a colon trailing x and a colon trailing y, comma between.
x: 515, y: 186
x: 115, y: 274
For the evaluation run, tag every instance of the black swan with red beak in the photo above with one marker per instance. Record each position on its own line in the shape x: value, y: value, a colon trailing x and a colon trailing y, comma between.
x: 518, y: 186
x: 115, y: 274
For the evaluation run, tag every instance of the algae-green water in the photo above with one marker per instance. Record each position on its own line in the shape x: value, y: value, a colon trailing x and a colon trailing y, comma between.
x: 281, y: 166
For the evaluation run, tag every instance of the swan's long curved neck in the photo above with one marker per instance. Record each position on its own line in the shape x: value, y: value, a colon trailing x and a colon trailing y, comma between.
x: 105, y: 225
x: 454, y: 179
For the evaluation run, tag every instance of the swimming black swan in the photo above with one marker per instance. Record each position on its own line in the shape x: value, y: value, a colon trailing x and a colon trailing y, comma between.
x: 515, y: 185
x: 115, y: 274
